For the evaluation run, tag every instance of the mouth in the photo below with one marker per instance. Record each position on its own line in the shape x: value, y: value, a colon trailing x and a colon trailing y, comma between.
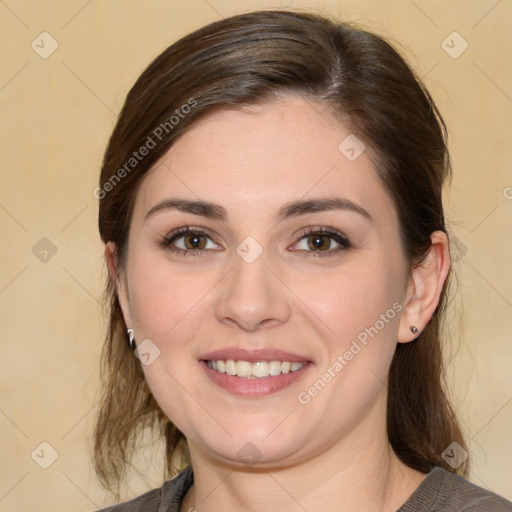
x: 254, y: 373
x: 253, y: 370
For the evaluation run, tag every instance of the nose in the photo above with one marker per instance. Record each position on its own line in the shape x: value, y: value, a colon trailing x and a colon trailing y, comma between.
x: 252, y: 296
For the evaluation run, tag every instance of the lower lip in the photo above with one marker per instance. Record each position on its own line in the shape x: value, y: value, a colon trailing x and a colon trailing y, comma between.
x: 257, y: 387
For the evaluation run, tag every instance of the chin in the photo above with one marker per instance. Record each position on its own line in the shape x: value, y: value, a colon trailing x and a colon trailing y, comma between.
x: 254, y: 447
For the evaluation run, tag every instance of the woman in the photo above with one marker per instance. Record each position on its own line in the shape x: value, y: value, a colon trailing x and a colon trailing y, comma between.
x: 270, y: 201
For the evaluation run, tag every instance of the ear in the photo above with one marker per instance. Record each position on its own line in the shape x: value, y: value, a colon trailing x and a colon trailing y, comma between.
x: 424, y: 288
x: 120, y: 280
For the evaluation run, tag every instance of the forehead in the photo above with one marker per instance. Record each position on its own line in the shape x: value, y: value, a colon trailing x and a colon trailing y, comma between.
x: 257, y: 158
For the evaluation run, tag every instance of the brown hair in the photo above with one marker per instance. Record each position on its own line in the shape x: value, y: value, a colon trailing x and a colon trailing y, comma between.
x: 364, y: 82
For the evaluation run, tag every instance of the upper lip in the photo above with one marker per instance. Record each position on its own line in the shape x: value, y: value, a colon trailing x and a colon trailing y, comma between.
x: 252, y: 356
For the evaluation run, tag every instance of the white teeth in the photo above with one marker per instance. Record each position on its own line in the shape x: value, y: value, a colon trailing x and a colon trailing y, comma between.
x: 243, y: 369
x: 274, y: 367
x: 230, y: 367
x: 259, y: 369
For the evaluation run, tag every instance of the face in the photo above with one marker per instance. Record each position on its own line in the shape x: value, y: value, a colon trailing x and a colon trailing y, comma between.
x: 272, y: 311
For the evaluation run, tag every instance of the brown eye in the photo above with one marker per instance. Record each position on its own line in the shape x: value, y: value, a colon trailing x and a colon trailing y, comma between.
x: 189, y: 241
x: 319, y: 242
x: 194, y: 241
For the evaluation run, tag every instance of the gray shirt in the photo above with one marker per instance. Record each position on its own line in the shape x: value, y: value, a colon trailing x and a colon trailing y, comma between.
x: 440, y: 491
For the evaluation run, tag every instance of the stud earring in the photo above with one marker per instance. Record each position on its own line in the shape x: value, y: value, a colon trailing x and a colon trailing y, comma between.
x: 414, y: 329
x: 131, y: 338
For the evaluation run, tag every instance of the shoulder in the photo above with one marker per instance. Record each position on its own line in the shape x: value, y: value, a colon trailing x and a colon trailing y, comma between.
x: 168, y: 497
x: 443, y: 491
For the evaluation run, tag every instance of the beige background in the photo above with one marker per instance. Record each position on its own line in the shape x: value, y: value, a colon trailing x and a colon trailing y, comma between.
x: 57, y: 114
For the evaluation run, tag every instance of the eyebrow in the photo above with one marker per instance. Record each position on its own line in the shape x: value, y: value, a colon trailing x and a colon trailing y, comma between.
x: 297, y: 208
x: 288, y: 210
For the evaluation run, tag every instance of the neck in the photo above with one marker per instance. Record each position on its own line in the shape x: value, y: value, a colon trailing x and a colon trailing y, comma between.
x: 360, y: 472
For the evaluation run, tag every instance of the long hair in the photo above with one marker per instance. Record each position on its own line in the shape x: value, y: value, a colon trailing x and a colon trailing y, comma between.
x: 365, y: 83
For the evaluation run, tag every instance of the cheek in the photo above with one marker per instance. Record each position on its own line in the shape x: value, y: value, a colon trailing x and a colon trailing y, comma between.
x: 357, y: 303
x: 361, y: 308
x: 163, y: 296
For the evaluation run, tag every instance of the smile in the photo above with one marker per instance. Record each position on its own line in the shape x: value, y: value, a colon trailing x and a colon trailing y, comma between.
x: 254, y: 370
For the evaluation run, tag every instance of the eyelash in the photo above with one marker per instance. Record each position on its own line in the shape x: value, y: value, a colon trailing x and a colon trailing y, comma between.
x: 334, y: 235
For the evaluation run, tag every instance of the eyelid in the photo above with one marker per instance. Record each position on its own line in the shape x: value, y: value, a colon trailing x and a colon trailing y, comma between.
x: 309, y: 230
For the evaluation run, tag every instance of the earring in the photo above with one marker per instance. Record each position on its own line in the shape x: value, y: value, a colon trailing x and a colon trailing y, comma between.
x: 131, y: 338
x: 414, y: 329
